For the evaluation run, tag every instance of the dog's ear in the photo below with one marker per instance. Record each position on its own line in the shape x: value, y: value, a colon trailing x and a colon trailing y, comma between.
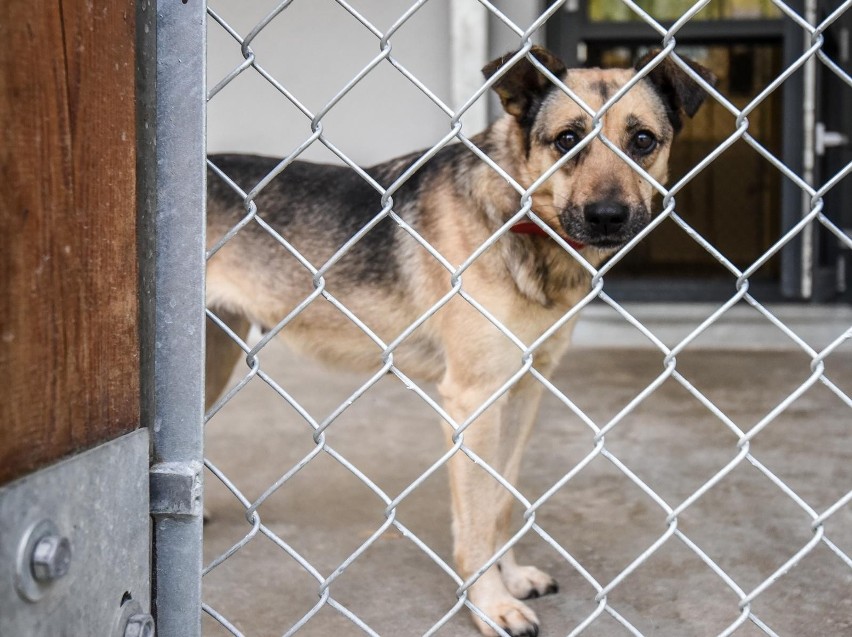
x: 519, y: 86
x: 679, y: 91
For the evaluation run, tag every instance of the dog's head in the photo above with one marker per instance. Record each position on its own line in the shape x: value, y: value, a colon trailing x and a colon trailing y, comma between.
x: 596, y: 198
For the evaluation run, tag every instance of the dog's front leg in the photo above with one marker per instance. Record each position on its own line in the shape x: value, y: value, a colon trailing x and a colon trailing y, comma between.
x: 478, y: 503
x: 519, y: 413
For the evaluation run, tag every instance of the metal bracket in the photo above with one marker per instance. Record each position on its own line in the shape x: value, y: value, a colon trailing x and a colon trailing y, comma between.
x: 176, y: 489
x: 75, y: 542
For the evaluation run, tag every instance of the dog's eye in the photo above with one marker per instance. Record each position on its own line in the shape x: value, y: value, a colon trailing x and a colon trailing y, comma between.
x: 644, y: 142
x: 566, y: 141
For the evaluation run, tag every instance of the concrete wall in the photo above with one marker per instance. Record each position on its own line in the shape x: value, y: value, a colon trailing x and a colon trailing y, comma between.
x: 314, y: 48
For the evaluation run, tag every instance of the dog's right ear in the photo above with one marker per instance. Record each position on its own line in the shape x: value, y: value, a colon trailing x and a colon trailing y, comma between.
x: 523, y: 82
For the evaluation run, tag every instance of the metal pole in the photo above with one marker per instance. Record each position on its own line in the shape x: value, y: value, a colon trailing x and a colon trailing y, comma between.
x: 809, y: 118
x: 171, y: 70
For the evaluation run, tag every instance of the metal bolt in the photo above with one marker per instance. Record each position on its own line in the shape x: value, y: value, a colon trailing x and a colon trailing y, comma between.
x: 140, y: 625
x: 51, y: 558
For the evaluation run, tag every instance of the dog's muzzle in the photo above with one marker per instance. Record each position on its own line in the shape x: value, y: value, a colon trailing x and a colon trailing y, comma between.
x: 605, y: 224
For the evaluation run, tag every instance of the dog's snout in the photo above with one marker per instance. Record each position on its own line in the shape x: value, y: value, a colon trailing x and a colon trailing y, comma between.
x: 606, y: 218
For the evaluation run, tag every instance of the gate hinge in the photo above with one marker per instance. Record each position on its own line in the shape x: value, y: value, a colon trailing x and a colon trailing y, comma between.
x: 176, y: 489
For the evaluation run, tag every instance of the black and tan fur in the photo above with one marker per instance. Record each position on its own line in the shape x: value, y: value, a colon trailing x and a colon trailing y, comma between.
x: 455, y: 201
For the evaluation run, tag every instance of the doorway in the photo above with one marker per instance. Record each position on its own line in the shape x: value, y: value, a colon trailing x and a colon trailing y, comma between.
x: 740, y: 203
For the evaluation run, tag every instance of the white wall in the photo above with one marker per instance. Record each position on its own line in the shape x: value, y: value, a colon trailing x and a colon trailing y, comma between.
x: 314, y: 48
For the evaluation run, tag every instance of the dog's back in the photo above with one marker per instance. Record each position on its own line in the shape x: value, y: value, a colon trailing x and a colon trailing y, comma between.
x: 315, y: 209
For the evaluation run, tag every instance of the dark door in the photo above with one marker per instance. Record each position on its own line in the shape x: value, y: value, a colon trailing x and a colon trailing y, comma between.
x: 740, y: 203
x: 832, y: 272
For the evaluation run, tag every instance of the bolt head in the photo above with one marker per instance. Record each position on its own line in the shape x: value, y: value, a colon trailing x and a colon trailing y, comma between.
x: 51, y: 558
x: 140, y: 625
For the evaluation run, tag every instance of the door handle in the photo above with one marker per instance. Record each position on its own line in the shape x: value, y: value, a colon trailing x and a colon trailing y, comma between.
x: 828, y: 139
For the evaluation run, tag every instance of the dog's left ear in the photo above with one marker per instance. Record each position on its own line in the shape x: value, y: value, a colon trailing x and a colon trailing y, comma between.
x: 679, y: 91
x: 519, y: 86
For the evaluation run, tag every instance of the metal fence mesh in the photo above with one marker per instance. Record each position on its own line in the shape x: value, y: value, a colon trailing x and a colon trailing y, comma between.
x: 670, y: 511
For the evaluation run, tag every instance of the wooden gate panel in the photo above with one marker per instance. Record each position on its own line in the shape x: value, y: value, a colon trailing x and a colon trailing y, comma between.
x: 69, y: 352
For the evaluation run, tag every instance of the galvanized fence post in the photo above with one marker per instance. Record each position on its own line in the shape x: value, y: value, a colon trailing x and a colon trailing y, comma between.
x: 172, y: 184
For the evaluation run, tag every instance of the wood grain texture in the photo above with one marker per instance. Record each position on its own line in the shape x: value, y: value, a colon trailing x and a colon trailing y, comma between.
x: 69, y: 349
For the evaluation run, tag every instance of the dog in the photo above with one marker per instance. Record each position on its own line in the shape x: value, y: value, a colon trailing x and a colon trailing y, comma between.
x: 525, y: 281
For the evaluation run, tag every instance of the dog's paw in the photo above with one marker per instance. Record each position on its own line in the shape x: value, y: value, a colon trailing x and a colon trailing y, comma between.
x: 514, y: 617
x: 527, y: 582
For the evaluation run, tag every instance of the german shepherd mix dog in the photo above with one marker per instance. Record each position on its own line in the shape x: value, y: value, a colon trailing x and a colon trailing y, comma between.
x: 596, y: 202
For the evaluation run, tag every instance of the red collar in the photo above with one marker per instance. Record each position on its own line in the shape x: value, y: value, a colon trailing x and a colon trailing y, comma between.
x: 528, y: 227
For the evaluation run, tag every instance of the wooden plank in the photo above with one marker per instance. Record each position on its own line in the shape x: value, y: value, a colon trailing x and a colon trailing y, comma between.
x: 69, y: 348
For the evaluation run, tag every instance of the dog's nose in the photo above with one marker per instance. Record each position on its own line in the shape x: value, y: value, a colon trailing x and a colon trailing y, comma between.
x: 606, y: 217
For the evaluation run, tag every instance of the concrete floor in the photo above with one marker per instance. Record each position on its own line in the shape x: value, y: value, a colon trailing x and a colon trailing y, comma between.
x: 745, y: 523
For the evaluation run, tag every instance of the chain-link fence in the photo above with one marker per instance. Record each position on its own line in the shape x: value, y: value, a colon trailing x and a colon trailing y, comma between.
x: 601, y: 584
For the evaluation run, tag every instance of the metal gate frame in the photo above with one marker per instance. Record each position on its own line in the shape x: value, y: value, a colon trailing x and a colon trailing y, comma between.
x: 171, y: 36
